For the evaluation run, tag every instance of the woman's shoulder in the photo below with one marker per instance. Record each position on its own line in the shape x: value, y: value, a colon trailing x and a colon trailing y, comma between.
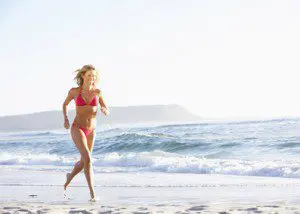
x: 98, y: 91
x: 74, y: 90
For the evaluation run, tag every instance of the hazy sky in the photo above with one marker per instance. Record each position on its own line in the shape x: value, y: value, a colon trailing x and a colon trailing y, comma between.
x: 216, y: 58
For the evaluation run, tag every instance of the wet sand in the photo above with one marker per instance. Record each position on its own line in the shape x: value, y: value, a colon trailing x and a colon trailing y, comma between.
x: 27, y: 191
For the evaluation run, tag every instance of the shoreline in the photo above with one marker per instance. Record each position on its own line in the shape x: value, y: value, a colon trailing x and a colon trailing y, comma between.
x: 42, y: 192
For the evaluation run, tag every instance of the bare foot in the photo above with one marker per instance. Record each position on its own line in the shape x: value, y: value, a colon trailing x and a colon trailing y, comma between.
x: 94, y: 199
x: 67, y: 181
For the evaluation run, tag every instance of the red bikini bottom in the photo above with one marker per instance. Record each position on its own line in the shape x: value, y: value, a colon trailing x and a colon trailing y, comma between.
x: 86, y: 131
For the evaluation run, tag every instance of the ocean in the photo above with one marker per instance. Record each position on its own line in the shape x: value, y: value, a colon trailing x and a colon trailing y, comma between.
x: 266, y: 148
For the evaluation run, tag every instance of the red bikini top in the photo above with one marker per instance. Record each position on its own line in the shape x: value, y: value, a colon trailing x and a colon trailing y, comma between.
x: 81, y: 102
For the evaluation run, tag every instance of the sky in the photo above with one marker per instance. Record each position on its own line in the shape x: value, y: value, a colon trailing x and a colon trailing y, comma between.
x: 216, y: 58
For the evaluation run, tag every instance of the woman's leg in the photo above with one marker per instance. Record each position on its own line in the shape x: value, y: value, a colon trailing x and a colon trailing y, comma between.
x: 90, y: 141
x: 77, y: 168
x: 80, y: 140
x: 79, y: 165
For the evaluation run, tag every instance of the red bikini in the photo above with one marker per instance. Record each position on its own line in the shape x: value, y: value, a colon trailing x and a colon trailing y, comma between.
x: 81, y: 102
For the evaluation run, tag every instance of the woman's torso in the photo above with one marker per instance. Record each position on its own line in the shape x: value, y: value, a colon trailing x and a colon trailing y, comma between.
x: 86, y: 109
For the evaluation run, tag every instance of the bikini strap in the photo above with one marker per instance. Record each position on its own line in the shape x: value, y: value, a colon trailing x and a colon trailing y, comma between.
x: 80, y: 91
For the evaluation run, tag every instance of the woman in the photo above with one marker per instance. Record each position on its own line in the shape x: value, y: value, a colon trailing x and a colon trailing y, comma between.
x: 86, y: 97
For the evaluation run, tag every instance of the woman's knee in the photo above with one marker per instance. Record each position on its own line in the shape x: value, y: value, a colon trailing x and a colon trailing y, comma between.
x: 80, y: 164
x: 86, y: 159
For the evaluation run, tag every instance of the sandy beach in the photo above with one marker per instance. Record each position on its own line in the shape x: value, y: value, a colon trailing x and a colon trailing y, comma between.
x: 28, y: 191
x: 149, y: 208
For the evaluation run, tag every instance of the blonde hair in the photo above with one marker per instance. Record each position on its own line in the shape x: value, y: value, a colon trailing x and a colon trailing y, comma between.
x: 82, y: 71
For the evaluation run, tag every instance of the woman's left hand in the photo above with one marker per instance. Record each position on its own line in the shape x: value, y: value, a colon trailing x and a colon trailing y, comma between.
x: 105, y: 110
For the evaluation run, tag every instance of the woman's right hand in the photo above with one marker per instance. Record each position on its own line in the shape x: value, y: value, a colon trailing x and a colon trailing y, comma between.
x: 67, y: 124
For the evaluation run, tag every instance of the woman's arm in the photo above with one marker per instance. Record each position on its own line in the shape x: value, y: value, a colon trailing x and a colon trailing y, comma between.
x: 104, y: 108
x: 65, y: 109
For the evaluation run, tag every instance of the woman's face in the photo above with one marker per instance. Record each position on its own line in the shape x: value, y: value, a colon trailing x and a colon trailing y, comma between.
x: 90, y: 77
